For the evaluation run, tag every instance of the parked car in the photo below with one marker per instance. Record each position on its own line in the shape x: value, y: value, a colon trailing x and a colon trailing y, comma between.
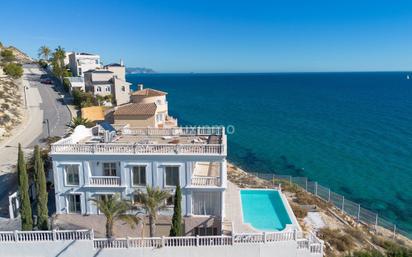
x: 46, y: 81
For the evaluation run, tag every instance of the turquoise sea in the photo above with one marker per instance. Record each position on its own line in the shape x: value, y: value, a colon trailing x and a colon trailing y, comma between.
x: 351, y: 132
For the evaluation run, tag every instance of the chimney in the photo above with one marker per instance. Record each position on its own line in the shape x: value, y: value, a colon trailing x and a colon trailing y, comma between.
x: 139, y: 86
x: 121, y: 62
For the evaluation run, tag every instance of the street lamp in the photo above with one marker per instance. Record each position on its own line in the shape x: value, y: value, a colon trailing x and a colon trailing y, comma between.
x: 25, y: 96
x: 46, y: 121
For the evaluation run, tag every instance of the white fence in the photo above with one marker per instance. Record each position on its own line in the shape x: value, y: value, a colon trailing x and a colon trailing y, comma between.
x: 104, y: 181
x: 205, y: 181
x: 312, y: 244
x: 18, y: 236
x: 114, y: 148
x: 351, y: 208
x: 180, y: 131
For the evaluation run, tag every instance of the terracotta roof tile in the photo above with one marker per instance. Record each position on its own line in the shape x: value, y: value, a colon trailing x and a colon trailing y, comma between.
x: 136, y: 109
x: 149, y: 92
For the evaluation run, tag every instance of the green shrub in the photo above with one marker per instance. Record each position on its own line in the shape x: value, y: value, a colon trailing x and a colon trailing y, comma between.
x: 364, y: 253
x: 82, y: 99
x: 176, y: 229
x: 43, y: 64
x: 355, y: 233
x: 14, y: 70
x: 23, y: 188
x: 66, y: 84
x: 299, y: 211
x: 7, y: 55
x: 304, y: 198
x: 336, y: 239
x: 395, y: 250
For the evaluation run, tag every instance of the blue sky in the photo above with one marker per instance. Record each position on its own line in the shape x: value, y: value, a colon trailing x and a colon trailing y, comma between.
x: 220, y: 36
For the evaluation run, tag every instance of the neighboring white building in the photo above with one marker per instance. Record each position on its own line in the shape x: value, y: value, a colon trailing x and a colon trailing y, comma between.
x: 96, y: 161
x: 110, y: 80
x: 67, y: 58
x: 76, y: 83
x: 79, y: 63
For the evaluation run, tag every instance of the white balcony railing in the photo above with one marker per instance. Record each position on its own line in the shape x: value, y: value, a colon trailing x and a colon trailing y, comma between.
x: 205, y: 181
x: 104, y: 181
x: 312, y: 244
x: 114, y: 148
x: 40, y: 236
x: 178, y: 131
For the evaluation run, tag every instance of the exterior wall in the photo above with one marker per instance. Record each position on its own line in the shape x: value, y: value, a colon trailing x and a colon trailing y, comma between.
x: 147, y: 100
x: 201, y: 222
x: 84, y: 248
x: 100, y: 76
x: 135, y: 121
x: 85, y: 62
x: 67, y: 58
x: 105, y: 89
x: 155, y: 176
x: 121, y: 91
x: 77, y: 85
x: 119, y: 71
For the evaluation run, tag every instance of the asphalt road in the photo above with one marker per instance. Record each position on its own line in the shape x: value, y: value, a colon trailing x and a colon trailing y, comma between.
x: 56, y: 116
x: 44, y: 104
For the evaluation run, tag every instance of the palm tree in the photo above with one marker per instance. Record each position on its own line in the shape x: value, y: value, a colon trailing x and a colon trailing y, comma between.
x: 58, y: 63
x: 76, y: 121
x: 44, y: 52
x: 153, y: 200
x: 114, y: 209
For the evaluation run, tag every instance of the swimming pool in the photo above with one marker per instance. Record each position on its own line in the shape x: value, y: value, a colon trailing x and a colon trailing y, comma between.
x: 264, y: 210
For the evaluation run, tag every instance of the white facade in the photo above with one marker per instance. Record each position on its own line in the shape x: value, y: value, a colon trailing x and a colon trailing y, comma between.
x: 82, y: 62
x: 131, y: 159
x: 110, y: 80
x: 76, y: 83
x: 67, y: 58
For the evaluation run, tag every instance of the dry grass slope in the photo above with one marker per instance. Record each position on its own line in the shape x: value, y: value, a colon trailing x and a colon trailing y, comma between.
x: 342, y: 234
x: 10, y: 96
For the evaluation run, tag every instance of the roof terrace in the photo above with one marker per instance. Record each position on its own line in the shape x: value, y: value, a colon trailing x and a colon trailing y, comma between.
x: 144, y: 141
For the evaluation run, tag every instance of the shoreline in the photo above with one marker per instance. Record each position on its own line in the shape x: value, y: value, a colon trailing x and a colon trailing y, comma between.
x: 332, y: 217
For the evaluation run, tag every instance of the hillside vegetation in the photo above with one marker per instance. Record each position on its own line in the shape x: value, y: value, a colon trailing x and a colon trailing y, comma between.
x: 342, y: 235
x: 11, y: 60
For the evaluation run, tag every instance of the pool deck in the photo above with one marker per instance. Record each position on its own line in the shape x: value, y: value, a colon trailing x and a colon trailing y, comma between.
x: 234, y: 210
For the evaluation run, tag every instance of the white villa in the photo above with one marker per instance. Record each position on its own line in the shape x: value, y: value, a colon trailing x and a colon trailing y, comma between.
x: 82, y: 62
x: 103, y: 161
x: 109, y: 80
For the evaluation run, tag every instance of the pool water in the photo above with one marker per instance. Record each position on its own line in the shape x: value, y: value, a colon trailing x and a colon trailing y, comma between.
x: 264, y: 210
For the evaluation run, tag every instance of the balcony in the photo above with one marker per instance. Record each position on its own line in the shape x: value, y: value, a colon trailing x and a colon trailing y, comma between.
x: 206, y: 141
x: 205, y: 181
x: 206, y: 174
x: 104, y: 181
x: 146, y: 149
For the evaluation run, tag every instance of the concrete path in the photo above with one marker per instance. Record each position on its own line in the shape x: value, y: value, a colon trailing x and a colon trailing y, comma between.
x: 233, y: 208
x: 43, y: 103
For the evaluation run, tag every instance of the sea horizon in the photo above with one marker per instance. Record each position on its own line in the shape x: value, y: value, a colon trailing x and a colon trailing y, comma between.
x: 268, y: 72
x: 347, y: 130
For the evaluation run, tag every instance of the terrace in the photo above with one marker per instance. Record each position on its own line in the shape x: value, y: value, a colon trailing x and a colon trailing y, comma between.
x: 206, y: 174
x: 144, y: 141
